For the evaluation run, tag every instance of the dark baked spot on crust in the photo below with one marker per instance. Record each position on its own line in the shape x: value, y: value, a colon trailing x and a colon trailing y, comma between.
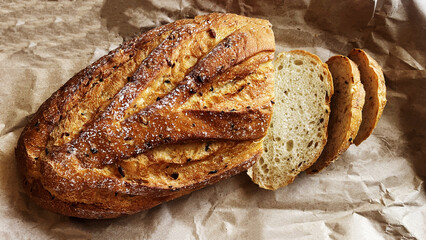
x: 169, y: 62
x: 200, y: 78
x: 174, y: 175
x: 241, y: 88
x: 212, y: 33
x: 120, y: 170
x: 228, y: 43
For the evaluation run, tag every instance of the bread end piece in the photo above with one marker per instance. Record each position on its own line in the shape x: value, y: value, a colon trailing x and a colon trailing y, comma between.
x: 346, y: 110
x: 298, y: 133
x: 375, y: 88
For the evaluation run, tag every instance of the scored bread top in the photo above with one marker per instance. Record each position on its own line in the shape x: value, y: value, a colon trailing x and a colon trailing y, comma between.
x: 179, y: 107
x: 375, y: 92
x: 298, y: 133
x: 346, y: 110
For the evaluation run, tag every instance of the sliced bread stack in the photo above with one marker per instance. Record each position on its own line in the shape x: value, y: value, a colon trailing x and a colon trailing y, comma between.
x: 304, y: 133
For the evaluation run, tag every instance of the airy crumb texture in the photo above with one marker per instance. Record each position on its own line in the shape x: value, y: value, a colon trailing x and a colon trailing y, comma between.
x: 346, y: 110
x: 375, y: 92
x: 298, y: 133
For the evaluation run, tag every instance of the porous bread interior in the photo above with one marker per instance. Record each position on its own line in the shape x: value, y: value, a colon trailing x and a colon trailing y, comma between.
x: 375, y: 92
x: 340, y: 118
x: 299, y: 125
x: 372, y: 101
x: 345, y: 110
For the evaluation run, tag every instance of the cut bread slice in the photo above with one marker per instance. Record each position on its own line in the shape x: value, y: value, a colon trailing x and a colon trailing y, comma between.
x: 346, y: 110
x: 375, y: 92
x: 298, y: 133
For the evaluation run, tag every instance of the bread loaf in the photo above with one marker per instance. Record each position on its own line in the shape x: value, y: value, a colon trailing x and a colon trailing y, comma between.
x: 168, y: 112
x: 346, y: 110
x: 298, y: 133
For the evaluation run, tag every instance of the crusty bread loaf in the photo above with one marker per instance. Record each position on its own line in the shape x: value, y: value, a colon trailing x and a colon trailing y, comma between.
x: 375, y: 92
x: 303, y: 87
x: 172, y: 110
x: 346, y: 110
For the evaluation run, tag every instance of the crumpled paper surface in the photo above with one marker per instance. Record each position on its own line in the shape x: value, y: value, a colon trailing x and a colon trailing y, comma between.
x: 374, y: 191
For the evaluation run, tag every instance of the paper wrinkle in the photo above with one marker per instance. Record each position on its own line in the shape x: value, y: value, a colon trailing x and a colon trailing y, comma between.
x: 406, y: 57
x: 373, y: 191
x: 360, y: 228
x: 98, y: 53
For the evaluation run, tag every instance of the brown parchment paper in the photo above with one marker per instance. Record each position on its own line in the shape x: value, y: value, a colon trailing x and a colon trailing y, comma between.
x: 374, y: 191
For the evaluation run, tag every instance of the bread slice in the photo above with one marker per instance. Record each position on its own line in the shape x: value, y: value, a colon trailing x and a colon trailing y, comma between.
x: 298, y: 133
x: 346, y: 110
x: 171, y: 111
x: 375, y: 92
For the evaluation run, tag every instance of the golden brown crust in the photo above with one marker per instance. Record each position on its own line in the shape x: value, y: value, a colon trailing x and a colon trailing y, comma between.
x: 375, y: 88
x: 346, y: 110
x: 124, y: 134
x: 43, y: 198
